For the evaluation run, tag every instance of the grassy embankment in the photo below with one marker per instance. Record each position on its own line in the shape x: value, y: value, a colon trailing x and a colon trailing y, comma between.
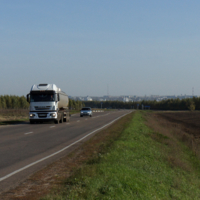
x: 140, y: 164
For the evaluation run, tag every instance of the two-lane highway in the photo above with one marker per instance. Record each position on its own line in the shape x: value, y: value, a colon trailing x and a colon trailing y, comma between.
x: 26, y: 148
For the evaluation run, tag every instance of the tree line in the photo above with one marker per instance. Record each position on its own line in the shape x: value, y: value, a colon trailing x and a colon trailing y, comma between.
x: 20, y: 102
x: 169, y: 104
x: 13, y: 102
x: 75, y: 104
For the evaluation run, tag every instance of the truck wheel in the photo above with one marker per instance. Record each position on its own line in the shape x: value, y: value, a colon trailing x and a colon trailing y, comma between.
x: 56, y: 121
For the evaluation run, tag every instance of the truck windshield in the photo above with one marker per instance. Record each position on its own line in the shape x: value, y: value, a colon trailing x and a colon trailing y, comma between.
x: 43, y: 97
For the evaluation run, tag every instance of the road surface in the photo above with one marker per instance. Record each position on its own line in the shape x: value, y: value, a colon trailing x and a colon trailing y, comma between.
x: 27, y: 148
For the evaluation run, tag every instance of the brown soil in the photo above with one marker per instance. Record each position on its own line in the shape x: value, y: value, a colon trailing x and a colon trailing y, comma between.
x: 180, y: 126
x: 190, y: 121
x: 53, y: 176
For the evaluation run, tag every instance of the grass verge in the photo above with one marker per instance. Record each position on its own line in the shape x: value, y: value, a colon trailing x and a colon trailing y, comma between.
x: 71, y: 112
x: 13, y: 116
x: 136, y: 166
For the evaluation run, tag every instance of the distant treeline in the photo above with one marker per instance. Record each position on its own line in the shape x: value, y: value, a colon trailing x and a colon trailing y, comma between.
x: 169, y: 104
x: 16, y: 102
x: 13, y: 102
x: 75, y: 104
x: 19, y: 102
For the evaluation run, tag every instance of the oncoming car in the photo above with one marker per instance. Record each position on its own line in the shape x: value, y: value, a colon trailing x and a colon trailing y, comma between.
x: 86, y: 111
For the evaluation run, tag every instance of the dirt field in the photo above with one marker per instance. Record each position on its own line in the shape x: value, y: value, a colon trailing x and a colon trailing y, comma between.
x: 189, y: 121
x: 183, y: 126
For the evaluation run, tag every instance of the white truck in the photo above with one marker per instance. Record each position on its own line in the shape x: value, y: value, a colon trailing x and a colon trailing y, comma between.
x: 48, y: 103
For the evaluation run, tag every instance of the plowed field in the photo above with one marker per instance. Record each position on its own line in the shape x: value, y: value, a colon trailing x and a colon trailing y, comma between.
x: 189, y: 121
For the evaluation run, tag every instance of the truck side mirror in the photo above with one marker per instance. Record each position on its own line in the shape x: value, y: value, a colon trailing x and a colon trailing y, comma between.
x: 58, y: 97
x: 28, y: 98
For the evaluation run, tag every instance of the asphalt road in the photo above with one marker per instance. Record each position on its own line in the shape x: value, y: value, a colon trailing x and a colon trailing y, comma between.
x: 27, y: 148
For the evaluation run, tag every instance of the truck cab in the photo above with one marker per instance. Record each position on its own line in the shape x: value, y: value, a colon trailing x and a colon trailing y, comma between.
x: 47, y: 103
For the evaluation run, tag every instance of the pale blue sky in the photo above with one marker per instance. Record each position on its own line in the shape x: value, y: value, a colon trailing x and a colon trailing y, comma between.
x: 135, y: 47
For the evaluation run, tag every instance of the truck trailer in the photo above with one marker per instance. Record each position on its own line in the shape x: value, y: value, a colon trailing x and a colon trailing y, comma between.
x: 48, y: 103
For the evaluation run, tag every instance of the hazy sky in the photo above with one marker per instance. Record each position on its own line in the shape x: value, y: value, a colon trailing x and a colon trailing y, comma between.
x: 136, y: 47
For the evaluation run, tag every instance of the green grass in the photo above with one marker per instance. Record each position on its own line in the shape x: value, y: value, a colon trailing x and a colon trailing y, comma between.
x: 135, y: 167
x: 71, y: 112
x: 13, y: 116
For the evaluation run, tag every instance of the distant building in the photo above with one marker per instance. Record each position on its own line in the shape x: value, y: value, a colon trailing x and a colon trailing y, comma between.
x: 101, y: 99
x: 88, y: 98
x: 126, y: 99
x: 132, y: 98
x: 80, y: 98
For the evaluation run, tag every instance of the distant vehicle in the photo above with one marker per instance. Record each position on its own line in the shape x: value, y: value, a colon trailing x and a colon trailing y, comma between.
x: 86, y: 111
x: 48, y: 103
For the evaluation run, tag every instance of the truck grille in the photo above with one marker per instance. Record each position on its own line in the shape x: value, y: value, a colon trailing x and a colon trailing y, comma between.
x: 42, y: 107
x: 42, y: 115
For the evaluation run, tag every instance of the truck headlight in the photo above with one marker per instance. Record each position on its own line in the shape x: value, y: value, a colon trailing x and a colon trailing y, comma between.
x: 53, y: 114
x: 32, y: 115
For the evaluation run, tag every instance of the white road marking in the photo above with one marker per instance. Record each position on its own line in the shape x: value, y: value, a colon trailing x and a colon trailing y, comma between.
x: 67, y: 123
x: 51, y: 126
x: 78, y: 121
x: 28, y: 133
x: 40, y: 160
